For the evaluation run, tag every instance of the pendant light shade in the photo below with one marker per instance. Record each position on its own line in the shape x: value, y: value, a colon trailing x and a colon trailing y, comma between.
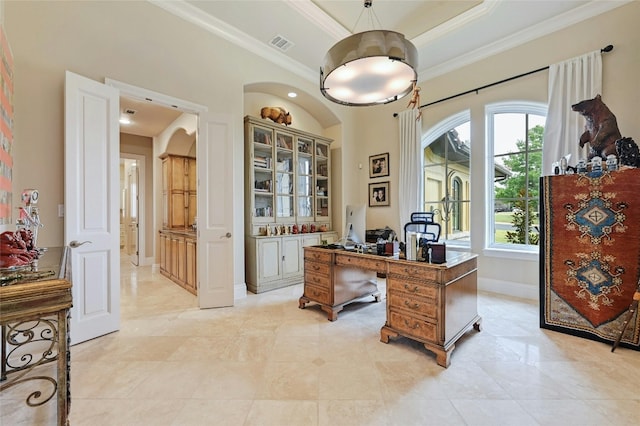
x: 369, y: 68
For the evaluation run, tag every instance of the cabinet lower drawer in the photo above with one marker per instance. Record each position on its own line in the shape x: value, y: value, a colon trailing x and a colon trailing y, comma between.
x: 318, y: 268
x: 415, y: 305
x: 421, y: 272
x: 412, y: 288
x: 317, y: 294
x: 319, y: 280
x: 413, y: 327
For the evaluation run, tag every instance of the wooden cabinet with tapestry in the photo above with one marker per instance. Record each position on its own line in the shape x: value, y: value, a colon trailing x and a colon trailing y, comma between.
x: 589, y: 254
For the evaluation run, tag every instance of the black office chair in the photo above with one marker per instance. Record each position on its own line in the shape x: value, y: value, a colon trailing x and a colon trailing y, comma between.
x: 429, y: 230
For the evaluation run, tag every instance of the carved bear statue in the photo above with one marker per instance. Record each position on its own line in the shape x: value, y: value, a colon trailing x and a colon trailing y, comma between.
x: 276, y: 114
x: 601, y: 128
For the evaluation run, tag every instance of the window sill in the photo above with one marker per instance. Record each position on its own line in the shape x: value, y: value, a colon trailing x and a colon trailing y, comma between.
x: 505, y: 253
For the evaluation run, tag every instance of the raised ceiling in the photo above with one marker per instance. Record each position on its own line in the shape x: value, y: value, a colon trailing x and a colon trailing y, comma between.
x: 448, y: 34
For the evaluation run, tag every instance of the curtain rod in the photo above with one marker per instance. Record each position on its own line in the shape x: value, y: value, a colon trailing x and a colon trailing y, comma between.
x: 605, y: 49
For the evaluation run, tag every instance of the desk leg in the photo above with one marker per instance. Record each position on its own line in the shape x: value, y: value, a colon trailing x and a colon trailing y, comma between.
x: 63, y: 369
x: 386, y: 333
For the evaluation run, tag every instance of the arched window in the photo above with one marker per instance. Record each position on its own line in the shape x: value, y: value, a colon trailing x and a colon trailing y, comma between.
x: 446, y: 155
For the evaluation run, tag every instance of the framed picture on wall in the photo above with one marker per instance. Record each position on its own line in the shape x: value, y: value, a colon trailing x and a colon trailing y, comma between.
x: 379, y: 165
x: 379, y: 194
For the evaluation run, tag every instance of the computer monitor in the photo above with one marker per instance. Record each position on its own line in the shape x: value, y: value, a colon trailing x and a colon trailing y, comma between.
x: 355, y: 225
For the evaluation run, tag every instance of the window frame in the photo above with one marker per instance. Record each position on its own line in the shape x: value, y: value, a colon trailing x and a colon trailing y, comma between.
x: 509, y: 107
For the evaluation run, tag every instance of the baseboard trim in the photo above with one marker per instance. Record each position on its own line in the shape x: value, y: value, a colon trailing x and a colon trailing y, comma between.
x: 509, y: 288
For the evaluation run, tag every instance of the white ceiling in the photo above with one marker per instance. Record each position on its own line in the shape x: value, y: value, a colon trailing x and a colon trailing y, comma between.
x: 448, y: 34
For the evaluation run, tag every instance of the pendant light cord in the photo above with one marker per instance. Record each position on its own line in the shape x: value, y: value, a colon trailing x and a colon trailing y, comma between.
x: 368, y: 5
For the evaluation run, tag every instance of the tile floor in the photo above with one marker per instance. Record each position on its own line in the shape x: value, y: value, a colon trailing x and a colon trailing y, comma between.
x: 266, y: 362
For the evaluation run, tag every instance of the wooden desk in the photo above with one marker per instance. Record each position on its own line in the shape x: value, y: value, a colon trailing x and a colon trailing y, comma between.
x: 34, y: 313
x: 433, y: 304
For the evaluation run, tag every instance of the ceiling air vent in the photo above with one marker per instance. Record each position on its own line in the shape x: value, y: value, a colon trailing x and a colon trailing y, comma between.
x: 281, y: 43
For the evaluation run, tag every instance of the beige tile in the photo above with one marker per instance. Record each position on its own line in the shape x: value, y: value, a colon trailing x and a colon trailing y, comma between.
x: 564, y: 412
x: 198, y: 412
x: 289, y: 380
x: 349, y: 379
x: 264, y: 361
x: 493, y: 412
x: 282, y: 413
x: 352, y: 413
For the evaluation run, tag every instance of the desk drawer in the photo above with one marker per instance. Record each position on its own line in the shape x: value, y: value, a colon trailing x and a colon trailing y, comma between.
x: 421, y: 272
x: 409, y: 326
x: 415, y: 305
x: 412, y: 288
x: 317, y: 268
x: 319, y: 280
x: 319, y: 255
x: 362, y: 262
x: 317, y: 294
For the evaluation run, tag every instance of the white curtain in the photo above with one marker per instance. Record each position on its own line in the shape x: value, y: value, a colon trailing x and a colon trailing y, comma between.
x: 410, y: 179
x: 570, y: 82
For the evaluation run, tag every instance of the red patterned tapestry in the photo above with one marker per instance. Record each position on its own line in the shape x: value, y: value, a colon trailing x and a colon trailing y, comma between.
x: 589, y: 254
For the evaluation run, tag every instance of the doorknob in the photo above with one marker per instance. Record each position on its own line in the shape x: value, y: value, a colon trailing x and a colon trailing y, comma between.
x: 227, y: 235
x: 75, y: 244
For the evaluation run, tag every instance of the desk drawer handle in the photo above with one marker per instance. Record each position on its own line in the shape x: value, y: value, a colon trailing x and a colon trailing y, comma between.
x: 413, y: 327
x: 410, y: 306
x: 316, y: 256
x: 412, y: 290
x: 316, y: 280
x: 316, y: 267
x: 410, y: 271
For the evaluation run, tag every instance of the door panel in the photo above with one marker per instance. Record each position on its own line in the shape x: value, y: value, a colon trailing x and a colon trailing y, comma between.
x: 92, y: 186
x: 291, y: 256
x: 215, y: 210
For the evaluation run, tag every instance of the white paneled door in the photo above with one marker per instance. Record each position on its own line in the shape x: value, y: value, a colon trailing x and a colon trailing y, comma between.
x: 214, y: 153
x: 91, y: 222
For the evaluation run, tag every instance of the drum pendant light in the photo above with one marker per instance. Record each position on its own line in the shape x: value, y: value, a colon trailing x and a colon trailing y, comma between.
x: 369, y: 68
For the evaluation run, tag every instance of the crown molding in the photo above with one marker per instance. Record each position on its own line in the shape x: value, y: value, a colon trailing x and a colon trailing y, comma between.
x: 559, y: 22
x: 314, y: 14
x: 455, y: 23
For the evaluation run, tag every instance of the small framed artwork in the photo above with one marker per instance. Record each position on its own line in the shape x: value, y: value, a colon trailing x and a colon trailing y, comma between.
x: 379, y: 165
x: 379, y: 194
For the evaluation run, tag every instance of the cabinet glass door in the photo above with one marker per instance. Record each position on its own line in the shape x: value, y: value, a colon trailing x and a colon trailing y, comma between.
x: 304, y: 188
x: 322, y: 181
x: 263, y: 181
x: 284, y: 176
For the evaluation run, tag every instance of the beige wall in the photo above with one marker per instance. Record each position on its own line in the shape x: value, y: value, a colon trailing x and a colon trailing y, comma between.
x: 140, y: 44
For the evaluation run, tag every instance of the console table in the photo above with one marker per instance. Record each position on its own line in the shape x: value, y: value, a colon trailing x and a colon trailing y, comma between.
x: 34, y: 312
x: 434, y: 304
